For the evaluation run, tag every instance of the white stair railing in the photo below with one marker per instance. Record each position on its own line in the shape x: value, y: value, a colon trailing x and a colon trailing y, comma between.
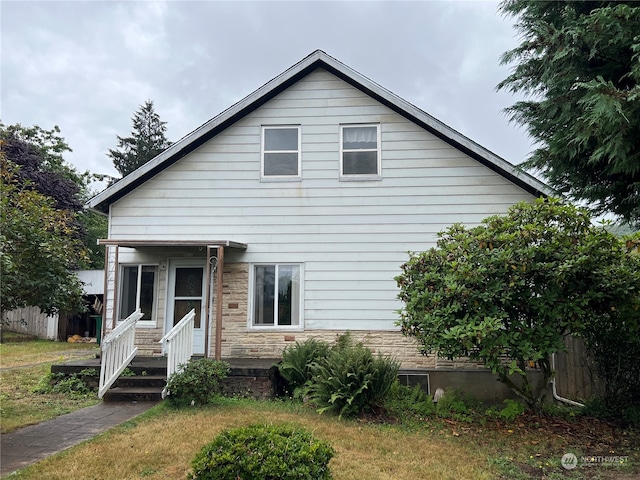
x: 177, y: 345
x: 118, y: 349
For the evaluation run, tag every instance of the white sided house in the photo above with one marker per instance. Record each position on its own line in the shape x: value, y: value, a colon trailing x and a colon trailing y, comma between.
x: 288, y: 215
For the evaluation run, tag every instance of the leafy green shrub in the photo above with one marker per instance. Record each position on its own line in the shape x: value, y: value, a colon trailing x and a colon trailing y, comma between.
x: 351, y: 380
x: 197, y: 382
x: 263, y: 452
x: 506, y: 293
x: 127, y: 372
x: 624, y: 410
x: 512, y: 410
x: 561, y: 410
x: 457, y: 405
x: 73, y: 385
x: 297, y: 360
x: 406, y: 402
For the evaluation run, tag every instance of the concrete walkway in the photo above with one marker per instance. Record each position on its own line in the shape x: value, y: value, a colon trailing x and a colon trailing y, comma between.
x: 29, y: 445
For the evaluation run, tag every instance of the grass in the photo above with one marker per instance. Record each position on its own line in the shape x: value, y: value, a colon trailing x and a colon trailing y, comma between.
x: 161, y: 444
x: 23, y: 365
x: 16, y: 351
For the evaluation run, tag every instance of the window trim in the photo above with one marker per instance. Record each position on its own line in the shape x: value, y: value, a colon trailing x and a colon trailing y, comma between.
x: 154, y: 308
x: 361, y: 177
x: 251, y: 307
x: 280, y: 178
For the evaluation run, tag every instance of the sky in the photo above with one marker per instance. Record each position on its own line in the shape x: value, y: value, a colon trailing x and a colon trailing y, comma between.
x: 87, y: 66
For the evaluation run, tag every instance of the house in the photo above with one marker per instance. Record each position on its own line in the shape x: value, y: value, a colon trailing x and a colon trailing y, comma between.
x: 288, y: 215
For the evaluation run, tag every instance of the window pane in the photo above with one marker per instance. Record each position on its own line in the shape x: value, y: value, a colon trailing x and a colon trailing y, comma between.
x: 182, y: 307
x: 288, y: 295
x: 280, y: 164
x: 264, y: 295
x: 128, y: 292
x: 360, y: 163
x: 147, y: 290
x: 359, y: 138
x: 188, y: 282
x: 281, y: 139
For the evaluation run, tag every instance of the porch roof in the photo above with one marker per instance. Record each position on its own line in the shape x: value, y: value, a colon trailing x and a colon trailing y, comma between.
x: 132, y: 243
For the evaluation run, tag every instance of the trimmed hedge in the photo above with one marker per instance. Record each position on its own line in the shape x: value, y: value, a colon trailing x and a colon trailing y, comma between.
x: 263, y: 452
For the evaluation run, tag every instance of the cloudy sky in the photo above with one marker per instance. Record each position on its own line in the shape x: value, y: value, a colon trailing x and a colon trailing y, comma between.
x: 87, y: 66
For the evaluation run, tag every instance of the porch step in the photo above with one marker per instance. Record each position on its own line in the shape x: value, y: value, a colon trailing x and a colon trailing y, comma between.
x: 133, y: 394
x: 138, y: 388
x: 150, y: 381
x: 145, y: 386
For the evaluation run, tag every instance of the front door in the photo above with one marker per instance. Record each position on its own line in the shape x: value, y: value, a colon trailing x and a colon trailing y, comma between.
x: 187, y: 291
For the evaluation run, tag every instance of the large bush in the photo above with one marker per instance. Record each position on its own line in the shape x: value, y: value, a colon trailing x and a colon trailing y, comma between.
x: 263, y: 452
x: 351, y: 380
x: 297, y: 360
x: 613, y: 338
x: 196, y: 382
x: 505, y: 293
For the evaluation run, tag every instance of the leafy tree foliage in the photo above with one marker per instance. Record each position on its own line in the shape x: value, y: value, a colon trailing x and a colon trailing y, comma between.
x: 39, y: 247
x: 94, y: 227
x: 505, y: 293
x: 147, y: 140
x: 39, y: 154
x: 613, y: 338
x: 580, y: 64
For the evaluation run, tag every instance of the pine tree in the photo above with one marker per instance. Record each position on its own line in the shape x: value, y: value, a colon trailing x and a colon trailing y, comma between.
x: 579, y: 62
x: 147, y: 140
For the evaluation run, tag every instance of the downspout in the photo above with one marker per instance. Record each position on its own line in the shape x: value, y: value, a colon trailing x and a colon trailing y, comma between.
x: 553, y: 386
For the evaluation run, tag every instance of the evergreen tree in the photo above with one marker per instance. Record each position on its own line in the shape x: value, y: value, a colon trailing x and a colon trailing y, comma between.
x: 579, y: 62
x: 147, y: 140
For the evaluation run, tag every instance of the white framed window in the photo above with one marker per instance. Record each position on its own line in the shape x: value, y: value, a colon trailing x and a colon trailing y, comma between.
x: 280, y: 152
x: 138, y: 286
x: 276, y: 296
x: 360, y: 152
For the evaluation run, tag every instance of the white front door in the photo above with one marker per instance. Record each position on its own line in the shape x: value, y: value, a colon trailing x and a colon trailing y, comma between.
x: 186, y: 291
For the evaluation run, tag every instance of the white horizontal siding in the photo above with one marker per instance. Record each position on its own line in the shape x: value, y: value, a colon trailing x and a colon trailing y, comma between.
x: 351, y: 236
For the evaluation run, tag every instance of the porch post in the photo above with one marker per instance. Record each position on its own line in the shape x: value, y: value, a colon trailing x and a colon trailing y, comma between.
x: 104, y: 291
x: 219, y: 288
x: 116, y: 269
x: 207, y: 303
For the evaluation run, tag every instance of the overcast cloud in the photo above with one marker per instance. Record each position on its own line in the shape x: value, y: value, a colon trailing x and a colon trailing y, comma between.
x: 88, y: 66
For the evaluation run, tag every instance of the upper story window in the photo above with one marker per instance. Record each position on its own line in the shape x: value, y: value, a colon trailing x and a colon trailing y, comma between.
x: 281, y: 152
x: 359, y: 152
x: 137, y: 290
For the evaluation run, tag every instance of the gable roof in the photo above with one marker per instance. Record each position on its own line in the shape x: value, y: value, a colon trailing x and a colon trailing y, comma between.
x: 317, y: 59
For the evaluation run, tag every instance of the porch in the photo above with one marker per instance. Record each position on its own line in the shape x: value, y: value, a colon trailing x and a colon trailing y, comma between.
x: 255, y: 378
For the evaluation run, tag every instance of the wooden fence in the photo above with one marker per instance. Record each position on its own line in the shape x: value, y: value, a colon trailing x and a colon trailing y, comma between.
x: 32, y: 321
x: 575, y: 377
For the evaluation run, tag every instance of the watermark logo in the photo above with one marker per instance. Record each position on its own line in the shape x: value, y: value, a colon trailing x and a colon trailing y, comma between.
x: 570, y: 461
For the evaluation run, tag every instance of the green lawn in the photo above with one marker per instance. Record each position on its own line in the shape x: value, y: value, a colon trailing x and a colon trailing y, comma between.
x: 23, y: 364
